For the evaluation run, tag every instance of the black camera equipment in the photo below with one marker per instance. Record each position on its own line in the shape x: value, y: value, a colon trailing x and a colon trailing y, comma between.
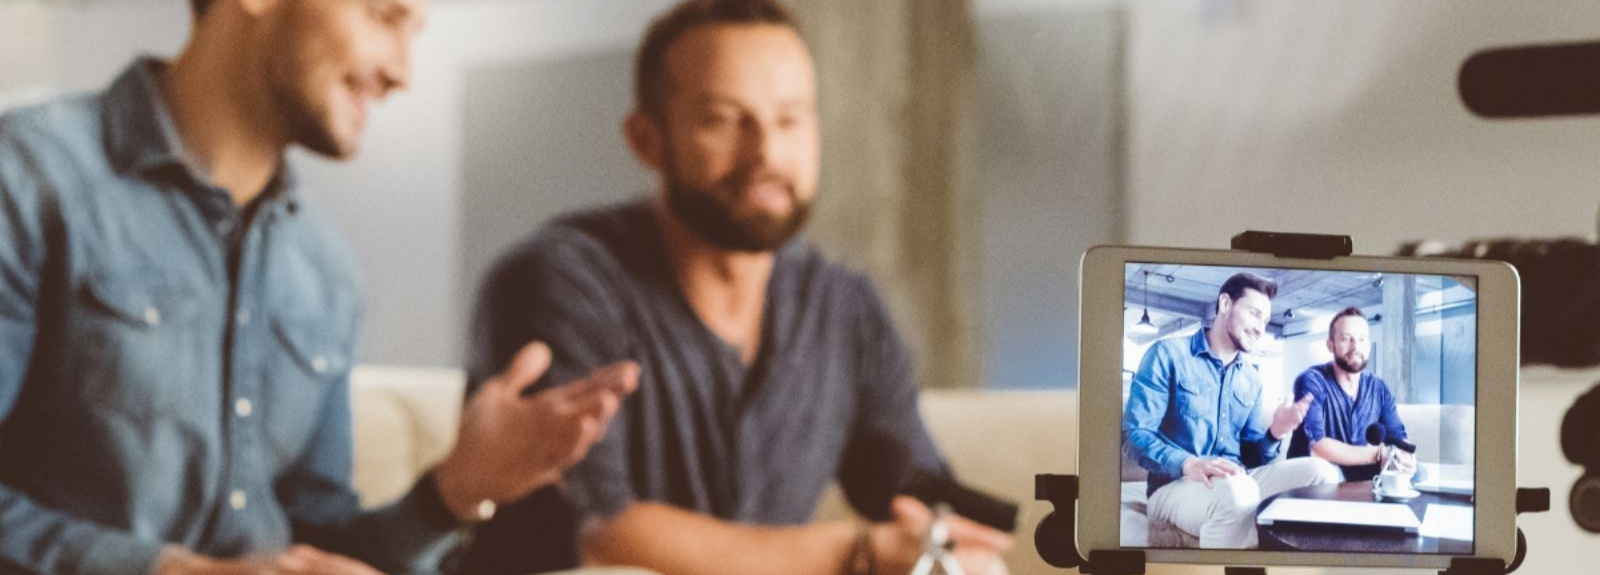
x: 1580, y: 436
x: 1560, y: 277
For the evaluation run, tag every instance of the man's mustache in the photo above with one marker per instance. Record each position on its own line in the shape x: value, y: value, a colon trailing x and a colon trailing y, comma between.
x: 740, y: 182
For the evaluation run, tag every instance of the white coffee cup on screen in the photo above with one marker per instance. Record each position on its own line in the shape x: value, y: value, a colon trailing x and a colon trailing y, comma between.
x: 1394, y: 483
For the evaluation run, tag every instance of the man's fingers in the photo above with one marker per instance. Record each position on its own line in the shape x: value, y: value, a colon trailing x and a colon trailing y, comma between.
x: 907, y: 511
x: 979, y: 562
x: 620, y: 378
x: 966, y: 532
x: 1230, y: 467
x: 526, y: 368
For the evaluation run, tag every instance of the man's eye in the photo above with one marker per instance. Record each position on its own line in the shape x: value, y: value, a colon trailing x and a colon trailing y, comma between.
x: 715, y: 120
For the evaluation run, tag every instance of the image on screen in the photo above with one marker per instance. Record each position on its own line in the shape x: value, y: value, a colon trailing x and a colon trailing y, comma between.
x: 1297, y: 410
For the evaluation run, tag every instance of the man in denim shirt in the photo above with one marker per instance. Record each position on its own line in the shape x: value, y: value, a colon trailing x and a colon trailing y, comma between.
x: 176, y: 320
x: 1192, y: 421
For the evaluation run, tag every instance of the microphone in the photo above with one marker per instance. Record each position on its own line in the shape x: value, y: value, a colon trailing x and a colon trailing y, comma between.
x: 1532, y: 81
x: 1377, y: 435
x: 882, y: 467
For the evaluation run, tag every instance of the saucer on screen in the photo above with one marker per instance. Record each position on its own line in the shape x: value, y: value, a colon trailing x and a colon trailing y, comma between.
x: 1407, y: 494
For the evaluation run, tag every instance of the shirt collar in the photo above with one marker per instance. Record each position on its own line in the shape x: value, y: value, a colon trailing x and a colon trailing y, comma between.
x: 141, y: 136
x: 1200, y: 346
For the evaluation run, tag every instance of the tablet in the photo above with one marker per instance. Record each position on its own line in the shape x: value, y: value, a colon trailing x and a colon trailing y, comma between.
x: 1216, y: 386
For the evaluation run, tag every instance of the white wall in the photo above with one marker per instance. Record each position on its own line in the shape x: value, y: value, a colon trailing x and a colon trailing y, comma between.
x: 1334, y: 116
x: 1049, y: 178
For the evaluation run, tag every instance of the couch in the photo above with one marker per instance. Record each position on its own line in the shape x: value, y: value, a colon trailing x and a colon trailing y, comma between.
x: 405, y: 422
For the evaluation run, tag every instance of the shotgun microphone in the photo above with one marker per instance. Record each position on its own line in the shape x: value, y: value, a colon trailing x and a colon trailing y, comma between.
x: 1532, y: 81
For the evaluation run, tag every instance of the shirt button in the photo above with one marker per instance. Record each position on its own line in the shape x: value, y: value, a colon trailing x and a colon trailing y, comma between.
x: 242, y: 317
x: 224, y: 227
x: 319, y: 364
x: 243, y: 407
x: 237, y: 500
x: 152, y: 316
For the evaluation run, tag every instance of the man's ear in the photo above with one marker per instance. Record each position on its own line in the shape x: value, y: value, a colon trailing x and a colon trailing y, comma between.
x: 1224, y: 303
x: 645, y: 138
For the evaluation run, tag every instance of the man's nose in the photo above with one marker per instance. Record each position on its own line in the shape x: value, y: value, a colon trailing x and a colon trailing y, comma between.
x: 761, y: 142
x: 396, y: 70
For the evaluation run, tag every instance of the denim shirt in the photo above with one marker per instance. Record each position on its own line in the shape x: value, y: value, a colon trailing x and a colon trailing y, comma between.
x: 146, y: 397
x: 1185, y: 403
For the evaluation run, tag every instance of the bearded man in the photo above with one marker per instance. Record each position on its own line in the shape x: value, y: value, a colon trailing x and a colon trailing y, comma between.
x: 768, y: 372
x: 1346, y: 401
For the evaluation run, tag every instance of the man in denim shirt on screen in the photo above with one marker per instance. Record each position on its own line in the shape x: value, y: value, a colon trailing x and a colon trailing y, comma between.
x: 1193, y: 421
x: 177, y: 320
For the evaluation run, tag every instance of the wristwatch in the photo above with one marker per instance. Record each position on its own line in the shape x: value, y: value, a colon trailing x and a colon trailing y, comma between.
x: 436, y: 512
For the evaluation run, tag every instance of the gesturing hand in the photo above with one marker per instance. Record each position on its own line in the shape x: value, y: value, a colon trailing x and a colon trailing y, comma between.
x: 1289, y: 416
x: 511, y: 444
x: 1202, y: 469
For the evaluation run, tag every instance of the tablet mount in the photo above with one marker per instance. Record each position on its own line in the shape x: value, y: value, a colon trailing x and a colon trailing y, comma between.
x: 1056, y: 536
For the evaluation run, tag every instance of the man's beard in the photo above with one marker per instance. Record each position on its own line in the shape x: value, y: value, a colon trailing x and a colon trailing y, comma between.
x: 709, y: 212
x: 308, y: 126
x: 1349, y: 367
x: 1242, y: 342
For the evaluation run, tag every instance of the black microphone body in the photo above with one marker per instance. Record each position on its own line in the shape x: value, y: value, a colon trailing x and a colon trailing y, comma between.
x: 883, y: 468
x: 1377, y: 435
x: 935, y: 488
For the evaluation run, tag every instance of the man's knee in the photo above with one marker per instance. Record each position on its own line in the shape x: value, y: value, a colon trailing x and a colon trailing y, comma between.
x: 1315, y: 471
x: 1234, y: 493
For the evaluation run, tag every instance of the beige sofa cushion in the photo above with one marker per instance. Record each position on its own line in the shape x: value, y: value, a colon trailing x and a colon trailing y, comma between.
x: 405, y: 422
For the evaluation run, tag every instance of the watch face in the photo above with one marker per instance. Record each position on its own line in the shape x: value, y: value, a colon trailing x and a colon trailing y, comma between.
x: 485, y: 510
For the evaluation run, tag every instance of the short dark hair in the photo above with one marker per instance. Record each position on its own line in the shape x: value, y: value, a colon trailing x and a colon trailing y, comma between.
x: 650, y: 76
x: 1344, y: 313
x: 1241, y: 281
x: 200, y: 6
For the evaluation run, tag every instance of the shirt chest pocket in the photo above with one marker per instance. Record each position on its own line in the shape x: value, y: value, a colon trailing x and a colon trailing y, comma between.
x: 310, y: 358
x: 1243, y: 399
x: 137, y: 342
x: 1195, y: 395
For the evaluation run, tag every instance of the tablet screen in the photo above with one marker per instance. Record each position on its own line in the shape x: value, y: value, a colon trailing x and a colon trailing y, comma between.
x: 1298, y: 409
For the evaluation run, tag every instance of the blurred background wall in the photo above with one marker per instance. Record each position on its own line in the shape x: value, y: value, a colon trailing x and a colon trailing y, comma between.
x: 972, y: 148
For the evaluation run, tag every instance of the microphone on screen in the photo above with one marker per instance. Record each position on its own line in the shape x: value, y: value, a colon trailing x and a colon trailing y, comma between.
x: 1377, y: 435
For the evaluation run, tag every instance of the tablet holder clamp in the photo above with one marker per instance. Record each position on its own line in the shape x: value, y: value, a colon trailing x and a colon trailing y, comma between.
x: 1055, y: 538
